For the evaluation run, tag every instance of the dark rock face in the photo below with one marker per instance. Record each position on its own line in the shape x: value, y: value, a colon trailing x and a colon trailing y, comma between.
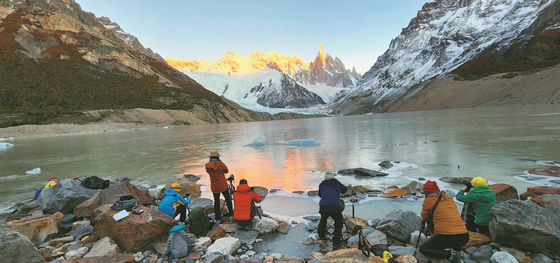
x: 15, y: 247
x: 64, y: 196
x: 526, y: 225
x: 289, y: 94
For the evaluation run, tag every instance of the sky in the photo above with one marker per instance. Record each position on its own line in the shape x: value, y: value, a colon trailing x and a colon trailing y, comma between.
x: 356, y: 31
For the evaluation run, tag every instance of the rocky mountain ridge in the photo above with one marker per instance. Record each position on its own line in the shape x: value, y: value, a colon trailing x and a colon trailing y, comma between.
x: 465, y: 39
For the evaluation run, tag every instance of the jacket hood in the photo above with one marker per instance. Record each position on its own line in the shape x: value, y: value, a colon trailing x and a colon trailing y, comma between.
x: 243, y: 188
x: 170, y: 192
x: 213, y: 165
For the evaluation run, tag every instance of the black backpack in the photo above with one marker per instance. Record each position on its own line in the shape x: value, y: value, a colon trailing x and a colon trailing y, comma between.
x: 125, y: 202
x: 94, y: 182
x: 199, y: 222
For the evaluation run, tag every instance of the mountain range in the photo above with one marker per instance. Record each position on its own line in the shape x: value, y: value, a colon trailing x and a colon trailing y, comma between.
x: 57, y: 60
x: 262, y: 81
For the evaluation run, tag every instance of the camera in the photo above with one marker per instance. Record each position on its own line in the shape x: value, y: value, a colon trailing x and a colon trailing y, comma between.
x: 231, y: 178
x: 468, y: 184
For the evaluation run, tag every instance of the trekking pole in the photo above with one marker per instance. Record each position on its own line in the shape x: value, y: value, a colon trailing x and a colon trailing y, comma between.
x: 420, y: 234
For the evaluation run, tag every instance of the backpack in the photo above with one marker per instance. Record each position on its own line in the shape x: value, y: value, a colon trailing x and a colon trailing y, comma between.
x: 125, y: 202
x: 198, y: 221
x: 94, y: 182
x: 178, y: 242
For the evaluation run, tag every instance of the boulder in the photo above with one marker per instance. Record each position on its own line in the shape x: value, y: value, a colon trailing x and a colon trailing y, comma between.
x: 351, y: 255
x: 224, y: 246
x: 64, y: 196
x: 261, y: 191
x: 528, y: 226
x: 187, y: 187
x: 362, y: 172
x: 548, y: 171
x: 352, y: 224
x: 110, y: 195
x: 399, y: 224
x: 536, y: 191
x: 15, y: 247
x: 395, y: 193
x: 413, y: 187
x: 455, y: 180
x: 265, y: 225
x: 134, y: 232
x: 385, y: 164
x: 39, y: 228
x: 504, y: 192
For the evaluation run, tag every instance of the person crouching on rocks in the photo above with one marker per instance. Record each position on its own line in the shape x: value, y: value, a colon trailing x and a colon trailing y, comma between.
x: 440, y: 210
x: 244, y: 210
x: 478, y: 201
x: 217, y: 171
x: 52, y: 181
x: 173, y: 203
x: 329, y: 206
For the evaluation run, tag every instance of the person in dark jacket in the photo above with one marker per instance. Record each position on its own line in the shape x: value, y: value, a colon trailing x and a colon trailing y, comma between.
x: 478, y: 202
x: 173, y: 203
x: 217, y: 171
x: 329, y: 206
x: 449, y: 230
x: 244, y: 210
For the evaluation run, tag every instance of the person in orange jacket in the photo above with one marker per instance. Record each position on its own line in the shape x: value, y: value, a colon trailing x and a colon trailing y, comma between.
x: 217, y: 171
x: 440, y: 210
x: 243, y: 199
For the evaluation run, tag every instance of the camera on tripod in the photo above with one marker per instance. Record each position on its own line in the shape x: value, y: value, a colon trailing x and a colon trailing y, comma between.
x: 468, y: 184
x: 231, y: 178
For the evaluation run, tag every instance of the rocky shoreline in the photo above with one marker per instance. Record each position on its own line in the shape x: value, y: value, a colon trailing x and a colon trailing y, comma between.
x: 72, y: 223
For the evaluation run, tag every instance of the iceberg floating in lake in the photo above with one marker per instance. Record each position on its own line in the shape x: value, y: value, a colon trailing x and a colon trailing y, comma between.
x: 259, y: 141
x: 5, y: 145
x: 6, y: 139
x: 302, y: 142
x: 34, y: 171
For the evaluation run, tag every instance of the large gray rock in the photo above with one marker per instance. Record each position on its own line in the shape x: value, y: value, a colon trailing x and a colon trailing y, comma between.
x: 64, y: 196
x: 15, y: 247
x: 399, y: 224
x: 528, y: 226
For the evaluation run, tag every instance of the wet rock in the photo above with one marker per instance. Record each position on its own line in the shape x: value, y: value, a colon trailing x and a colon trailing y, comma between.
x: 504, y: 192
x: 39, y: 228
x: 413, y: 187
x: 548, y: 171
x: 362, y: 172
x: 455, y: 180
x: 312, y: 218
x: 191, y: 177
x: 298, y: 192
x: 110, y: 195
x: 313, y: 193
x: 15, y: 247
x: 536, y: 191
x: 398, y: 224
x: 385, y: 164
x: 134, y: 232
x: 246, y: 237
x: 526, y: 225
x: 64, y: 196
x: 395, y: 193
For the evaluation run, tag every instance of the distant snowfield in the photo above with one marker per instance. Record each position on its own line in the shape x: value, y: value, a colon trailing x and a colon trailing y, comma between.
x: 238, y: 88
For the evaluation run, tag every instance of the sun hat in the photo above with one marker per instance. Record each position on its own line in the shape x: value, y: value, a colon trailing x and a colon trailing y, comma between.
x: 175, y: 186
x: 53, y: 178
x: 479, y: 181
x: 430, y: 187
x: 214, y: 153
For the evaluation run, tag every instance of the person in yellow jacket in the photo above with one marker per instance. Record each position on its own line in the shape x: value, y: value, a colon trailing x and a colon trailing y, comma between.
x: 440, y: 210
x: 52, y: 181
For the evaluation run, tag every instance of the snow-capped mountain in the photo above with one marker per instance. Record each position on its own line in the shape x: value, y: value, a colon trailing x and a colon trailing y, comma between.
x: 444, y: 35
x: 272, y: 80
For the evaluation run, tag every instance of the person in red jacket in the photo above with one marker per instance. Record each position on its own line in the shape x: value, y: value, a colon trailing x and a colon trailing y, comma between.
x: 244, y: 210
x: 217, y: 171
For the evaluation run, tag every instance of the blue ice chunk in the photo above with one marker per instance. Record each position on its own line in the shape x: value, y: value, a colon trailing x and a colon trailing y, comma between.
x: 34, y: 171
x: 259, y: 141
x: 5, y: 145
x: 302, y: 142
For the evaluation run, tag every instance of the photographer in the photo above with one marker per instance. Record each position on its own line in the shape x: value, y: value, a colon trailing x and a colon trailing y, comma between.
x: 244, y: 211
x: 173, y: 204
x: 478, y: 201
x: 217, y: 169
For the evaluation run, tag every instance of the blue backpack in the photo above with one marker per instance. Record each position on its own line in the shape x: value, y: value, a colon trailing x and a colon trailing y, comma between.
x: 178, y: 242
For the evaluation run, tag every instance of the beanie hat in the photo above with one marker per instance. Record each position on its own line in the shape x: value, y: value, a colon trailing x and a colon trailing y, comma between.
x: 329, y: 175
x: 214, y: 153
x: 53, y: 178
x: 479, y: 181
x: 242, y: 181
x: 175, y: 186
x: 430, y: 187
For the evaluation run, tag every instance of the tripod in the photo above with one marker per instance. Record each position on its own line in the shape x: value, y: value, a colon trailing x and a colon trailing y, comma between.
x: 230, y: 190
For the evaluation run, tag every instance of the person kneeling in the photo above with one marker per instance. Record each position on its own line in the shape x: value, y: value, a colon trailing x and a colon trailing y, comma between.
x: 244, y: 211
x: 173, y: 203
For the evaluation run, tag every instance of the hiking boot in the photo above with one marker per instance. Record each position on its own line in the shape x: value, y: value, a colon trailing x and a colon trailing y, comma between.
x: 322, y: 243
x: 338, y: 246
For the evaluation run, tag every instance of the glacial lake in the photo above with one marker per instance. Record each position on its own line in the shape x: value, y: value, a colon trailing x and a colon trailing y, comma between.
x: 500, y: 144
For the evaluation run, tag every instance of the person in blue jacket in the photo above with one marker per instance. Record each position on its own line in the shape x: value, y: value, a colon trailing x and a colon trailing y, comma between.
x: 173, y: 203
x: 329, y: 205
